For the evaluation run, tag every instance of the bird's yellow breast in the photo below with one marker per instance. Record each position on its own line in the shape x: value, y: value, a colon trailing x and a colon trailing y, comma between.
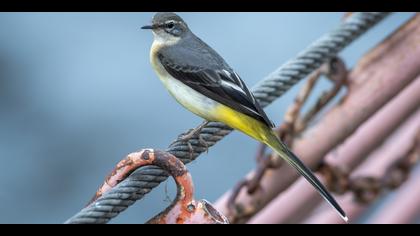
x: 244, y: 123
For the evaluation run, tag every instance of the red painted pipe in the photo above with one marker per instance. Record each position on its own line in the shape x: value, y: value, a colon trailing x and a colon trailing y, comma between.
x: 396, y: 147
x: 300, y: 199
x: 378, y: 77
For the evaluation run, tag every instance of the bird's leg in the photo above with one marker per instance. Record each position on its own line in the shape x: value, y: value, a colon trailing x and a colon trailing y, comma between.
x: 193, y: 133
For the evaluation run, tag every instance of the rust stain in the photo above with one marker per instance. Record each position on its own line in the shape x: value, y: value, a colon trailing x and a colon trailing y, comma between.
x: 184, y: 208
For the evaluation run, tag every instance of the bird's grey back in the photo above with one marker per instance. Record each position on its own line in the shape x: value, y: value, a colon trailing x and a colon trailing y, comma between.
x: 199, y: 66
x: 191, y: 52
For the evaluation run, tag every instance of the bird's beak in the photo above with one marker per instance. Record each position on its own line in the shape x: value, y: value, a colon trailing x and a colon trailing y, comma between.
x: 148, y: 27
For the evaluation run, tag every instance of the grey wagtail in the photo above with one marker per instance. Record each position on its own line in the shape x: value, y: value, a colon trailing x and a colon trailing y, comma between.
x: 200, y: 80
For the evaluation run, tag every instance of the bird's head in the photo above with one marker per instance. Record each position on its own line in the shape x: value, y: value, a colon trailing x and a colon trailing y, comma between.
x: 167, y: 26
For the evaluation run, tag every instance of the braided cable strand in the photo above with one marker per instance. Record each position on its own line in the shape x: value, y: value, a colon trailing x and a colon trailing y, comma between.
x: 266, y: 91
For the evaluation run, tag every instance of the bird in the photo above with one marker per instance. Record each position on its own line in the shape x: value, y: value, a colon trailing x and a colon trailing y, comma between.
x: 201, y: 81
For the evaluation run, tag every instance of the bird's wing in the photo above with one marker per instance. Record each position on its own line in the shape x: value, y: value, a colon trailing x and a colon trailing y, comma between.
x: 221, y: 85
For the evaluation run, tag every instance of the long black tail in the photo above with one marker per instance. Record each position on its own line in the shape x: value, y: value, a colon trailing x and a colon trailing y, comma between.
x: 294, y: 161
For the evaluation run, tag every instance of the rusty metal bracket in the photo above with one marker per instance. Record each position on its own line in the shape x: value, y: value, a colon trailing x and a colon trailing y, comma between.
x: 184, y: 209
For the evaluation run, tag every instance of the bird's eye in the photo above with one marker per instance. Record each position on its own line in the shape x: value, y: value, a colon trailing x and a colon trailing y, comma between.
x: 170, y: 25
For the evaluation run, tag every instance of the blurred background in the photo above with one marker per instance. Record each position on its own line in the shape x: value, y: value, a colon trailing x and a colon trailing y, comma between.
x: 77, y: 94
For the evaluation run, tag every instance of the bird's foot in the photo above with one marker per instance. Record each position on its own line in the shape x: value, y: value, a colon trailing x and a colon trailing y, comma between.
x: 192, y: 133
